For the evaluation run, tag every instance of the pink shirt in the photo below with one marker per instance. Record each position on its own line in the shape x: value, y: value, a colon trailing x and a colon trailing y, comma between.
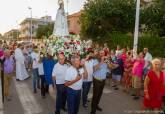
x: 137, y: 69
x: 1, y: 53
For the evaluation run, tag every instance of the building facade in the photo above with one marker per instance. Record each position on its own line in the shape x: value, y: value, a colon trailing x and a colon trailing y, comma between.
x: 1, y: 36
x: 73, y: 23
x: 29, y: 24
x: 11, y: 35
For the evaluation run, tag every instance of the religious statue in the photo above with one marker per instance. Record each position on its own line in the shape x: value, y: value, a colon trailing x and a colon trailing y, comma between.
x: 61, y: 4
x: 61, y: 25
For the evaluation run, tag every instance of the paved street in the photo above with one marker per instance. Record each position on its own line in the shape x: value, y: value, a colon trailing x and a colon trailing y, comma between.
x: 25, y: 102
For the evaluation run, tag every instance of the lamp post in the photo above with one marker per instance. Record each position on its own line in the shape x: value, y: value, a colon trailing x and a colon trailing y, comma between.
x: 30, y: 23
x: 136, y: 33
x: 17, y: 31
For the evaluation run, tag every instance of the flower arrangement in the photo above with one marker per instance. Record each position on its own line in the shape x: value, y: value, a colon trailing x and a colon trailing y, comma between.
x: 68, y: 45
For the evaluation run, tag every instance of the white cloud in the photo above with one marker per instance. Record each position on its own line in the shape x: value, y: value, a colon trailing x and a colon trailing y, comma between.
x: 16, y: 10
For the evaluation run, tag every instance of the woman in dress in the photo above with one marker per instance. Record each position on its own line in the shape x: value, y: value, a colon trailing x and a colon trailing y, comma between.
x: 127, y: 75
x: 163, y: 87
x: 152, y: 87
x: 137, y: 73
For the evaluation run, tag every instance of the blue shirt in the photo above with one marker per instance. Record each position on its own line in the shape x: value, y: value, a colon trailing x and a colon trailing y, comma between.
x: 119, y: 70
x: 101, y: 72
x: 48, y: 65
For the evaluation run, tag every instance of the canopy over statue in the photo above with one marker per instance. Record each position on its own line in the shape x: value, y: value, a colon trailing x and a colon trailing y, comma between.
x: 61, y: 25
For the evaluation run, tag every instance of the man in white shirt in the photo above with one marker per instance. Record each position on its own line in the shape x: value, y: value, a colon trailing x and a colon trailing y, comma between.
x: 35, y: 58
x: 74, y: 79
x: 148, y: 59
x: 58, y: 76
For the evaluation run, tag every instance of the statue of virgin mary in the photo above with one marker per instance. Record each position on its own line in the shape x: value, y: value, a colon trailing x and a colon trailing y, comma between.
x: 61, y: 25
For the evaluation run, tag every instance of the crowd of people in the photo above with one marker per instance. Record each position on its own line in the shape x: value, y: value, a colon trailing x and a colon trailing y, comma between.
x: 72, y: 78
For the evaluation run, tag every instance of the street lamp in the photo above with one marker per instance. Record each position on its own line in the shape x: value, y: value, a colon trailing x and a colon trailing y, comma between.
x: 17, y: 31
x: 30, y: 23
x: 136, y: 33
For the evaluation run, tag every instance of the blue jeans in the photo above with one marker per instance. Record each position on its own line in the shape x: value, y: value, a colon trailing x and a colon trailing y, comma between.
x: 35, y: 78
x: 61, y: 97
x: 73, y: 100
x: 44, y: 87
x: 86, y: 87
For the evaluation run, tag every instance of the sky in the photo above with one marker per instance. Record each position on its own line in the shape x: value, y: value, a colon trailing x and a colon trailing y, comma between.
x: 12, y: 12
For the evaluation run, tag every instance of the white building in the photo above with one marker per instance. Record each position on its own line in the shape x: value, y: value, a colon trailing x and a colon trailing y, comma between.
x: 11, y: 35
x: 25, y: 26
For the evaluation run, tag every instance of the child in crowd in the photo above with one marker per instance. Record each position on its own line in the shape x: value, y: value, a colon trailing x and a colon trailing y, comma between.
x: 137, y: 72
x: 8, y: 70
x: 41, y: 75
x: 117, y: 71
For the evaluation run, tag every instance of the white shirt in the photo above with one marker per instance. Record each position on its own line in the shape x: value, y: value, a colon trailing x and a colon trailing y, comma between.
x: 59, y: 72
x: 71, y: 74
x: 118, y: 52
x: 89, y: 67
x: 40, y: 69
x: 35, y: 58
x: 147, y: 58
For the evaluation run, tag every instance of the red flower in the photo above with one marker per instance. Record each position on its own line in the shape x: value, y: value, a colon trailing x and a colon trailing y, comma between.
x: 72, y: 33
x: 89, y: 49
x: 78, y: 42
x: 65, y: 43
x: 62, y: 53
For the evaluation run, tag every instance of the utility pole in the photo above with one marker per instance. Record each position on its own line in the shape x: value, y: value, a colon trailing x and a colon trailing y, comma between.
x: 136, y: 32
x: 30, y: 23
x: 17, y: 31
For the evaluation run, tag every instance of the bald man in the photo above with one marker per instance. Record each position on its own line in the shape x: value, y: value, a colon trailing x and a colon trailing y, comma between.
x: 58, y: 76
x: 148, y: 59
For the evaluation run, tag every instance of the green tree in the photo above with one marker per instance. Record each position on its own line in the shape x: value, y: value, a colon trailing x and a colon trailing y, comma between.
x: 153, y: 17
x: 101, y: 17
x: 45, y: 30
